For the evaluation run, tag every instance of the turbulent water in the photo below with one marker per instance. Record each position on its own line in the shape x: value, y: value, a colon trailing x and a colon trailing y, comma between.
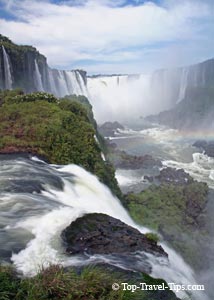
x: 175, y: 150
x: 111, y: 94
x: 39, y: 200
x: 172, y: 147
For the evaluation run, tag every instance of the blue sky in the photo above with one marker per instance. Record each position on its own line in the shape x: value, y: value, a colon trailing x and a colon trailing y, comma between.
x: 113, y: 36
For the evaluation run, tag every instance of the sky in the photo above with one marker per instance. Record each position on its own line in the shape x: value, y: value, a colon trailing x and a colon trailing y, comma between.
x: 113, y: 36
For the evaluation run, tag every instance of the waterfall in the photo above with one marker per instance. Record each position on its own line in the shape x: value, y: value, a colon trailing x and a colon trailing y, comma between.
x: 34, y: 220
x: 64, y: 83
x: 38, y: 78
x: 82, y: 85
x: 51, y: 81
x: 7, y: 70
x: 120, y: 97
x: 183, y: 84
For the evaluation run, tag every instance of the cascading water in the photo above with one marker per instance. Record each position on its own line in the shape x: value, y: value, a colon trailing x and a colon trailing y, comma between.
x: 7, y: 70
x: 119, y: 97
x: 38, y: 78
x: 39, y: 200
x: 64, y: 83
x: 183, y: 84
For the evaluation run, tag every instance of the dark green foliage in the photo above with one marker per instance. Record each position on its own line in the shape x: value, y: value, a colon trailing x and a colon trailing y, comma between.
x: 88, y: 284
x: 7, y: 95
x: 176, y: 211
x: 8, y: 283
x: 88, y: 107
x: 81, y: 100
x: 60, y: 131
x: 75, y: 108
x: 152, y: 237
x: 171, y: 201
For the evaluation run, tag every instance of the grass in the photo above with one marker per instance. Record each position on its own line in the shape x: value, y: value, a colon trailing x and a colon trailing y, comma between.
x: 90, y: 283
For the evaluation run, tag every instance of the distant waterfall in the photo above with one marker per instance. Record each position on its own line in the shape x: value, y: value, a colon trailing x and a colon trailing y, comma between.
x: 38, y: 78
x: 64, y: 83
x: 183, y: 84
x: 60, y: 82
x: 120, y: 97
x: 7, y: 70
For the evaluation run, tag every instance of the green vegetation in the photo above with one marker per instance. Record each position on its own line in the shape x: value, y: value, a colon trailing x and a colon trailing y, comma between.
x: 90, y: 283
x: 152, y: 237
x: 89, y: 111
x: 176, y: 212
x: 59, y: 131
x: 8, y: 283
x: 172, y: 201
x: 21, y: 97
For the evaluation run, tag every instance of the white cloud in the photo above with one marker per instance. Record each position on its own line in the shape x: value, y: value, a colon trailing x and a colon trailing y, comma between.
x: 100, y: 31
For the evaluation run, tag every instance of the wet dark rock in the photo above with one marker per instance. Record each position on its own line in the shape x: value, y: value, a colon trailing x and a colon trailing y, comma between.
x: 109, y: 128
x: 133, y: 162
x: 102, y: 234
x: 171, y: 175
x: 149, y: 178
x: 206, y: 146
x: 122, y: 160
x: 194, y: 112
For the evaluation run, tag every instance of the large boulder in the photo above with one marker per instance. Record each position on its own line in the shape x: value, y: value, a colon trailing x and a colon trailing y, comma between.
x: 102, y: 234
x: 206, y: 146
x: 177, y: 177
x: 123, y: 160
x: 109, y: 128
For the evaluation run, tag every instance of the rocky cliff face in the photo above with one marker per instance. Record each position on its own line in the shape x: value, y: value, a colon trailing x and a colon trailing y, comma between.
x: 172, y: 85
x: 24, y: 67
x: 194, y: 112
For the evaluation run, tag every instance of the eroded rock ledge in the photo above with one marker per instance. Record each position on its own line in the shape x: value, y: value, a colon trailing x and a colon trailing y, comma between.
x: 102, y: 234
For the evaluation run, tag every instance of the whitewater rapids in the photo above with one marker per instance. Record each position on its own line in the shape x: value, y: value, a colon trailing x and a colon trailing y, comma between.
x: 55, y: 196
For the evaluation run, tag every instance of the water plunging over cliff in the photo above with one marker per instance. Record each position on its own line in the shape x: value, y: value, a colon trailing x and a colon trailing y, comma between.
x: 38, y: 78
x: 39, y: 200
x: 7, y: 70
x: 120, y: 97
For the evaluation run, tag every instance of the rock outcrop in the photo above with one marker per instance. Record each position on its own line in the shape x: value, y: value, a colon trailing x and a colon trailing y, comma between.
x: 207, y: 147
x: 177, y: 177
x: 102, y: 234
x: 110, y: 128
x: 24, y: 67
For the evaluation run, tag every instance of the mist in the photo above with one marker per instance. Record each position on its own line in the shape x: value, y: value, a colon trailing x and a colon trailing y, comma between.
x: 127, y: 98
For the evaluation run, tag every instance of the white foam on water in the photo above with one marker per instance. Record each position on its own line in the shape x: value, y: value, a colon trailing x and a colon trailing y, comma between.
x: 201, y: 168
x: 127, y: 178
x: 83, y: 193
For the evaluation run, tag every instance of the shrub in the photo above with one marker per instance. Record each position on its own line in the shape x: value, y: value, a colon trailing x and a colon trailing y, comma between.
x: 152, y: 237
